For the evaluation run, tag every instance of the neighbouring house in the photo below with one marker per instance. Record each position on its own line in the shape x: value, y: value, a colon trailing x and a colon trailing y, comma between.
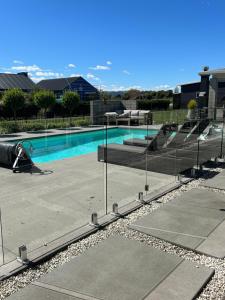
x: 209, y: 92
x: 76, y: 84
x: 20, y: 80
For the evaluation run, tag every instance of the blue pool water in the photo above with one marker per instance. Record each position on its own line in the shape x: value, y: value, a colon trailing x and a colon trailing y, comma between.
x: 51, y: 148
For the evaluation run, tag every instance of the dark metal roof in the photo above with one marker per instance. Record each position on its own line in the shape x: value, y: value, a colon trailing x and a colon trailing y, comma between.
x: 9, y: 81
x: 213, y: 72
x: 58, y: 84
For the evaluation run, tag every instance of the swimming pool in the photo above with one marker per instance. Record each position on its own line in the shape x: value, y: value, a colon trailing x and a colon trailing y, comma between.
x: 52, y: 148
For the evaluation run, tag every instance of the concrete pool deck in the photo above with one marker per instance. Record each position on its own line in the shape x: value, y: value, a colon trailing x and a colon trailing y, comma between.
x: 41, y: 207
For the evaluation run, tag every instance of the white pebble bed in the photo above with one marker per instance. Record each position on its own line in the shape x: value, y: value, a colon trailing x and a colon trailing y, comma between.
x: 215, y: 289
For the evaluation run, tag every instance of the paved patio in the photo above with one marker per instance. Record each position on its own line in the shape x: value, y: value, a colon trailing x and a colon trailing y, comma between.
x: 60, y: 196
x: 217, y: 182
x: 119, y: 268
x: 195, y: 220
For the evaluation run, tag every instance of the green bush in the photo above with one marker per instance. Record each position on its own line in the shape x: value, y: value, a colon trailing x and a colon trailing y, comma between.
x: 192, y: 104
x: 14, y: 100
x: 44, y: 99
x: 41, y: 124
x: 70, y: 101
x: 154, y: 104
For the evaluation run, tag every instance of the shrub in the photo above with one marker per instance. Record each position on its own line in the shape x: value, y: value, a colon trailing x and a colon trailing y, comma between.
x: 70, y: 101
x: 192, y: 104
x: 84, y: 108
x: 44, y: 99
x: 154, y: 104
x: 14, y: 100
x: 40, y: 124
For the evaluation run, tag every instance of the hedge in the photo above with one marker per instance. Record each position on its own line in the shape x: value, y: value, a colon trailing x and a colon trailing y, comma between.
x: 40, y: 124
x: 31, y: 110
x: 154, y: 104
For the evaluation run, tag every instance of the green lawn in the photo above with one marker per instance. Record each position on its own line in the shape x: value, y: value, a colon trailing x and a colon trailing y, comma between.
x: 168, y: 116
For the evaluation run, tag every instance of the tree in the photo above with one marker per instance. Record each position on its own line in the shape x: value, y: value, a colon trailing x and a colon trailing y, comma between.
x: 44, y: 99
x: 132, y: 94
x: 70, y: 101
x: 14, y: 100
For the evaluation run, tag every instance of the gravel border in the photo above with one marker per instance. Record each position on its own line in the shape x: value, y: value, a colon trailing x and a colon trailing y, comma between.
x: 215, y: 289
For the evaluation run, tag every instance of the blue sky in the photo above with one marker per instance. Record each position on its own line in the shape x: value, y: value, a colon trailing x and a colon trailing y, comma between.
x: 115, y: 44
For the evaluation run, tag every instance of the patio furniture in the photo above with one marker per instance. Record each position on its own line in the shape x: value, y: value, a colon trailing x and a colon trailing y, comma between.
x: 126, y: 120
x: 157, y: 155
x: 140, y: 117
x: 111, y: 117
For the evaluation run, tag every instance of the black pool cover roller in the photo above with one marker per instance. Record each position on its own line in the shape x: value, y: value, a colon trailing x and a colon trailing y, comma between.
x: 7, y: 154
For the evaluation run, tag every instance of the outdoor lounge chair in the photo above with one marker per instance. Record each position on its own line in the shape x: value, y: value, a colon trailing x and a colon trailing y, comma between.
x: 151, y: 143
x: 170, y: 160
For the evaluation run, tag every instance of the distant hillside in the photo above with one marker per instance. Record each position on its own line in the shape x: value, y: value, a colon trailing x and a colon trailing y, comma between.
x: 116, y: 93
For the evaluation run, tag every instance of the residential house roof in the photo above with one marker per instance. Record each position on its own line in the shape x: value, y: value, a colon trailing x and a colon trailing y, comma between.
x: 20, y: 80
x: 213, y: 72
x: 57, y: 84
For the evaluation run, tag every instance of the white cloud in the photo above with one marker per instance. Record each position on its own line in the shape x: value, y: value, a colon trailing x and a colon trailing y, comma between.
x: 26, y: 68
x: 76, y: 75
x: 92, y: 77
x: 135, y: 87
x: 108, y: 62
x: 98, y: 67
x: 37, y: 79
x: 19, y: 62
x: 71, y: 66
x: 162, y: 87
x: 49, y: 74
x: 126, y: 72
x: 115, y: 87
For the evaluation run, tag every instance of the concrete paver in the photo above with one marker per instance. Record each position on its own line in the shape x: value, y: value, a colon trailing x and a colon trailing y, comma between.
x: 217, y: 182
x: 195, y: 220
x: 33, y: 292
x: 119, y: 268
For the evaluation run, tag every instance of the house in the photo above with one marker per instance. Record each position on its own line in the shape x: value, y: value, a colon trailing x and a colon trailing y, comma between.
x: 20, y: 80
x: 209, y: 91
x: 76, y: 84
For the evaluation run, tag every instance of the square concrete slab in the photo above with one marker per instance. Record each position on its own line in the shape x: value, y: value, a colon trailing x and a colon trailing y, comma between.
x: 217, y: 182
x: 119, y: 268
x: 39, y: 293
x: 194, y: 220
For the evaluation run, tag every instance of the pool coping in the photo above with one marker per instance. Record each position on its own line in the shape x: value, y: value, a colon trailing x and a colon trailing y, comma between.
x: 44, y: 253
x: 59, y: 132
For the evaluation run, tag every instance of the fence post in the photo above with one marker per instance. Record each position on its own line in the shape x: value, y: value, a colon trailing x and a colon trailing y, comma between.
x: 2, y: 241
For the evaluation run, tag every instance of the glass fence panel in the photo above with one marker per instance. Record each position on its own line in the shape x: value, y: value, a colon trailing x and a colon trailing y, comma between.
x: 44, y: 202
x: 161, y: 162
x: 125, y: 157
